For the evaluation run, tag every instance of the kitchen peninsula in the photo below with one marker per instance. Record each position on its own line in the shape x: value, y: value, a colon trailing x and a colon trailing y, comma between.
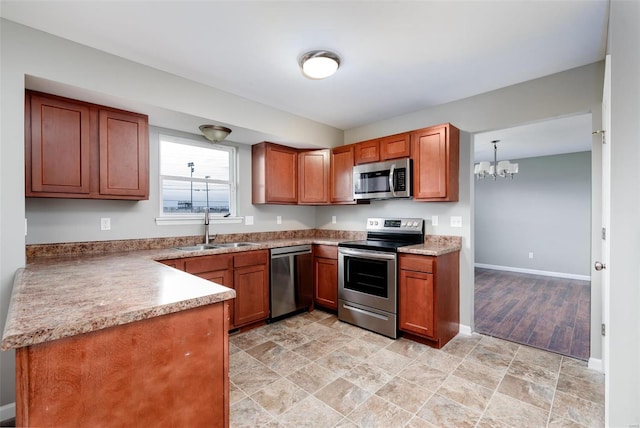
x: 118, y: 339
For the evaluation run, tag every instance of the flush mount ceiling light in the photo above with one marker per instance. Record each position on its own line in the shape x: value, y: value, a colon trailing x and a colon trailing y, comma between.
x: 319, y: 64
x: 215, y: 133
x: 498, y: 169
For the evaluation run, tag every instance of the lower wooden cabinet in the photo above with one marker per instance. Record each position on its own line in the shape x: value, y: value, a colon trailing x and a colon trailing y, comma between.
x: 429, y: 297
x: 251, y: 282
x: 246, y: 272
x: 325, y: 276
x: 169, y: 370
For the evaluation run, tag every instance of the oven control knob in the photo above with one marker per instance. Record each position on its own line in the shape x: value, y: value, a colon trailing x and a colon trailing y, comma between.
x: 415, y: 224
x: 376, y: 222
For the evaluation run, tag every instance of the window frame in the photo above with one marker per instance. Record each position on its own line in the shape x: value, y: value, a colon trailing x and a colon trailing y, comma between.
x: 197, y: 218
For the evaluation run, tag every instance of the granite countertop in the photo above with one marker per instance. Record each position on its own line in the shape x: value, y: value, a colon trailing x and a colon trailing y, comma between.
x: 62, y: 296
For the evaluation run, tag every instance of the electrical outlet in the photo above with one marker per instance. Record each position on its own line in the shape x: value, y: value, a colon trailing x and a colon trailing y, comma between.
x: 434, y: 220
x: 456, y: 221
x: 531, y: 254
x: 279, y: 219
x: 334, y: 219
x: 248, y: 220
x: 105, y: 223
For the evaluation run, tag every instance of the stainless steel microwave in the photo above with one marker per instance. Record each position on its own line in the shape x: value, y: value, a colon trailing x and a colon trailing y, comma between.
x: 382, y: 180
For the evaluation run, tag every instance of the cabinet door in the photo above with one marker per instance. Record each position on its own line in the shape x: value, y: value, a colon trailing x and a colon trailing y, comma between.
x: 252, y: 294
x: 325, y: 274
x: 342, y: 174
x: 416, y: 303
x: 313, y: 177
x: 124, y: 163
x: 435, y: 163
x: 395, y: 146
x: 282, y: 173
x: 58, y: 147
x: 367, y: 151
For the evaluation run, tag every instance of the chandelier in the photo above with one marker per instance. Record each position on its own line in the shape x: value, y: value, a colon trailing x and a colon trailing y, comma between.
x: 497, y: 169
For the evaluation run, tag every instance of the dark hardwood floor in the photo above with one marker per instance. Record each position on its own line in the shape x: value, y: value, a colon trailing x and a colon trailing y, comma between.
x: 540, y: 311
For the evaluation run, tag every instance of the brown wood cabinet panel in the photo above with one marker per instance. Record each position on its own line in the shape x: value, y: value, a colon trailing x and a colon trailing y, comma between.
x: 75, y: 149
x: 170, y: 370
x: 367, y: 151
x: 429, y: 297
x: 416, y: 303
x: 342, y: 175
x: 395, y: 146
x: 252, y: 294
x: 124, y: 152
x: 274, y: 174
x: 325, y: 276
x: 204, y: 264
x: 435, y: 153
x: 58, y: 146
x: 313, y: 177
x: 174, y: 263
x: 251, y: 258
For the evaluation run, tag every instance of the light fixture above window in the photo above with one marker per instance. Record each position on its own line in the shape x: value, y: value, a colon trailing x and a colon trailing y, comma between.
x: 319, y: 64
x: 215, y: 133
x: 498, y: 169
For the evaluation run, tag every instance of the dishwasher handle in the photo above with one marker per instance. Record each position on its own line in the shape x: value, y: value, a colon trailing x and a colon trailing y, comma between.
x: 290, y: 251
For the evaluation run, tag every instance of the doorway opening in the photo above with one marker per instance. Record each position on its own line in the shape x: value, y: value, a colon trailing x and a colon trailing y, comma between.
x: 533, y: 237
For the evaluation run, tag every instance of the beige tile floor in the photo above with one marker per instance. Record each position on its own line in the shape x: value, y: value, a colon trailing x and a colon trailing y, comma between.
x: 315, y: 371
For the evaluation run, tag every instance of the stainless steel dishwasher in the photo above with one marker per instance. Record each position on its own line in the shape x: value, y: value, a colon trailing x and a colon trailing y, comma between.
x: 291, y: 280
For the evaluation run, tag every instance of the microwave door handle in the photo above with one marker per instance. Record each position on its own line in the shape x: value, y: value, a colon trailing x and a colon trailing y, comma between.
x: 393, y: 190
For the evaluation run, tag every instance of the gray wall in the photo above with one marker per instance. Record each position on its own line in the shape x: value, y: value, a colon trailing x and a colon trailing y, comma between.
x: 545, y: 209
x: 623, y: 379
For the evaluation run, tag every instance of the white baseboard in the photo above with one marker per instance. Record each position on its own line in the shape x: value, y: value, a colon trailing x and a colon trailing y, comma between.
x: 535, y: 272
x: 465, y: 329
x: 7, y: 411
x: 595, y: 364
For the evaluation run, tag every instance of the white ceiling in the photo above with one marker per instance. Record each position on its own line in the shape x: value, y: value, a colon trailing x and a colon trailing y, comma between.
x: 398, y: 56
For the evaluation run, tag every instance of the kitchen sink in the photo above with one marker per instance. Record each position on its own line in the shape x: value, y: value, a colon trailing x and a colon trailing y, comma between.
x: 212, y: 246
x: 234, y: 244
x: 198, y: 247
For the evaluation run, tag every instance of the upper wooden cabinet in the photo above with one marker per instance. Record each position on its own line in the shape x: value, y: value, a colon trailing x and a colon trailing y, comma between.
x: 367, y: 151
x: 395, y: 146
x: 435, y: 153
x: 124, y: 153
x: 274, y: 174
x: 342, y: 175
x: 75, y: 149
x: 313, y: 177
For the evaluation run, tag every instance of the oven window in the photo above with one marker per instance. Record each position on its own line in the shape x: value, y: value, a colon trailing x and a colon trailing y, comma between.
x: 366, y: 276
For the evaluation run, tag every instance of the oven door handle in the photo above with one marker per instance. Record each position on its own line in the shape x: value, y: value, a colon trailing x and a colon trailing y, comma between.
x: 368, y: 254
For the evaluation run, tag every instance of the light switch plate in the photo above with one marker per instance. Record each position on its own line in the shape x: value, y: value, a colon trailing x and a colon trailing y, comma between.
x: 434, y: 220
x: 279, y: 219
x: 248, y: 220
x: 456, y: 221
x: 333, y: 219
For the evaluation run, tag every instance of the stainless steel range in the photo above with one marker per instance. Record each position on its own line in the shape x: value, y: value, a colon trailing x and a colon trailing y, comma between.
x: 367, y: 273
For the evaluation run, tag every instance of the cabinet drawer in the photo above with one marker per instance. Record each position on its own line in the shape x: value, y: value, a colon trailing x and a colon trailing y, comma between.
x: 416, y: 263
x: 326, y: 251
x: 251, y: 258
x: 208, y: 263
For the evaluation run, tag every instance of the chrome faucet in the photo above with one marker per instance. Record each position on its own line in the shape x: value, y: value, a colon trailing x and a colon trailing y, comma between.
x: 206, y: 225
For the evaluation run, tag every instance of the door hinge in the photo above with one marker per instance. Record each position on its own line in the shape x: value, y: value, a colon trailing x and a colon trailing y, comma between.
x: 603, y: 329
x: 604, y: 233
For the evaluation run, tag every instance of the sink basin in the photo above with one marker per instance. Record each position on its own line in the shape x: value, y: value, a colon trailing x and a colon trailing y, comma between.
x: 234, y: 244
x: 198, y: 247
x: 213, y: 246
